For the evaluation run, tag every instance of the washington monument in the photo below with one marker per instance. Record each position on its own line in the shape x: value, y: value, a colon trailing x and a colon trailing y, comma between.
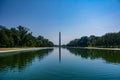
x: 59, y: 46
x: 59, y: 39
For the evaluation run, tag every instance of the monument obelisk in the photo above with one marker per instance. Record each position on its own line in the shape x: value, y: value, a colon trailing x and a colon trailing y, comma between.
x: 59, y: 46
x: 59, y: 39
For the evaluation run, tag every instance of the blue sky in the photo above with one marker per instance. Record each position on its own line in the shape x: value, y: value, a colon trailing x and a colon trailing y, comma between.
x: 73, y: 18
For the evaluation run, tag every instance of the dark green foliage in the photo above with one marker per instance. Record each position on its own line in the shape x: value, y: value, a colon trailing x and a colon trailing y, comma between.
x: 107, y: 40
x: 43, y: 42
x: 5, y: 37
x: 21, y: 37
x: 83, y: 41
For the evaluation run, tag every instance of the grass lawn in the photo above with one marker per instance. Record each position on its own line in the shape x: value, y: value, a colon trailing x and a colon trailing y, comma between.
x: 5, y: 49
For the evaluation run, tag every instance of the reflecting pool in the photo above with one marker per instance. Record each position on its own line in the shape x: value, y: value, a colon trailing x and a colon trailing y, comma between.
x: 60, y: 64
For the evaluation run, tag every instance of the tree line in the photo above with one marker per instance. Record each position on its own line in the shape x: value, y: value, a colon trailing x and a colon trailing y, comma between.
x: 107, y: 40
x: 21, y: 37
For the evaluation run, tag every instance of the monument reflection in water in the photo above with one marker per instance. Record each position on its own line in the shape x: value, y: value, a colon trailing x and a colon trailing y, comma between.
x: 59, y: 54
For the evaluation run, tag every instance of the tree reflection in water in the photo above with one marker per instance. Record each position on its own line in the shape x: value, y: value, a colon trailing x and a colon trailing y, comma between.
x: 109, y: 56
x: 22, y: 60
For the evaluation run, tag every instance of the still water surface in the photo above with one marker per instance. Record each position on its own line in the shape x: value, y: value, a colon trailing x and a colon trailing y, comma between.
x: 60, y: 64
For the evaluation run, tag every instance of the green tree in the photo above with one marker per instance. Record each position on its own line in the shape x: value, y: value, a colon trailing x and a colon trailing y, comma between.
x: 15, y: 36
x: 5, y: 37
x: 21, y: 37
x: 22, y: 32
